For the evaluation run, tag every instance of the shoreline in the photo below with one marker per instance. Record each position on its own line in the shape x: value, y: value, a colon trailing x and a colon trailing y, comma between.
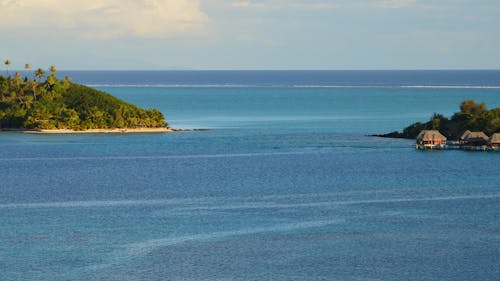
x: 100, y: 131
x: 94, y: 131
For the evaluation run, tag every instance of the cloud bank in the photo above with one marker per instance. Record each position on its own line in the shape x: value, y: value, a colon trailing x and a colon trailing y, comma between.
x: 104, y: 19
x: 323, y: 4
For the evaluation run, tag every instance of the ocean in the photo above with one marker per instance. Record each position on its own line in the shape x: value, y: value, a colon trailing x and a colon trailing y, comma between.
x: 286, y: 183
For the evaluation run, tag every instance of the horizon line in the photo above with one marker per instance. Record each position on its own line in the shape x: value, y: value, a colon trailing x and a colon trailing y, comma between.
x: 283, y: 70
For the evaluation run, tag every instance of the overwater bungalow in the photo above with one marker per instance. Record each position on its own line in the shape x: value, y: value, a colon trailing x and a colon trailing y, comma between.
x: 463, y: 136
x: 475, y: 141
x: 495, y: 142
x: 430, y: 139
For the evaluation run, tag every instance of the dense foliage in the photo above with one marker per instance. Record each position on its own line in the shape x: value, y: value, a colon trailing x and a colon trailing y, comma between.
x: 50, y: 103
x: 472, y: 116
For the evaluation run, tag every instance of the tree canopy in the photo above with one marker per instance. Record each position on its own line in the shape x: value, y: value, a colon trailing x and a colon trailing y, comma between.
x: 52, y: 103
x: 472, y: 116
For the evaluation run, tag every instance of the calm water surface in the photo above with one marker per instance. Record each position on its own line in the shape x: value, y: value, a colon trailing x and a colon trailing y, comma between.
x: 285, y: 186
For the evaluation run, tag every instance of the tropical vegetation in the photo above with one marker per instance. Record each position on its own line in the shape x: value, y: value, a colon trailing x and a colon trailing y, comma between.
x: 40, y: 100
x: 472, y: 116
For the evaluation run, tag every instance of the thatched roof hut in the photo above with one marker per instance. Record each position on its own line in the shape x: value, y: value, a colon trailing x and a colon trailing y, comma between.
x: 495, y: 139
x: 430, y: 136
x: 464, y: 135
x: 476, y: 139
x: 430, y: 139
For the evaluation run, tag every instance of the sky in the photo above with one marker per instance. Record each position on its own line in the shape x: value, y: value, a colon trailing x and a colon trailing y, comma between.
x: 250, y: 34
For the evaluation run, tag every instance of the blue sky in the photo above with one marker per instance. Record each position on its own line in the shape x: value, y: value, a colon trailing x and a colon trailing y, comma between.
x: 251, y: 34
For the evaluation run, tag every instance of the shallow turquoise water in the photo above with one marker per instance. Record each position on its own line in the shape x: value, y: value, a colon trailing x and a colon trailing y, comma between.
x: 286, y: 186
x: 352, y: 110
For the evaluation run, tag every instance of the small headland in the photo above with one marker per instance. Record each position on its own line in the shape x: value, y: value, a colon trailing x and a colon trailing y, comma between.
x: 42, y: 103
x: 474, y: 127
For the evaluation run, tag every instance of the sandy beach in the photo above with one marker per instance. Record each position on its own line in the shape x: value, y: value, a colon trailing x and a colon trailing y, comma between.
x: 98, y: 131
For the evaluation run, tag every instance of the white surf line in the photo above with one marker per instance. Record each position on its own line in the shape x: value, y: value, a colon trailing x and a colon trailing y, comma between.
x: 423, y: 199
x: 104, y: 203
x: 194, y: 156
x: 198, y: 200
x: 397, y: 86
x: 247, y: 205
x: 450, y: 87
x: 333, y: 86
x: 145, y: 247
x: 308, y: 195
x: 272, y: 205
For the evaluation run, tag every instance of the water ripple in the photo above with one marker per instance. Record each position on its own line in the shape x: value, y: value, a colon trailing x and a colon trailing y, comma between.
x: 246, y: 205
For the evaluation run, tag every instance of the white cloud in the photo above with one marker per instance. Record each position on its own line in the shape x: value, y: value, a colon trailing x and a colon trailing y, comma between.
x: 285, y: 4
x: 246, y: 4
x: 103, y: 18
x: 315, y: 6
x: 322, y: 5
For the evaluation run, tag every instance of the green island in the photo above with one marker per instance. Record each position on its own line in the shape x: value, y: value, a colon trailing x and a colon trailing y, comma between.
x: 472, y: 116
x: 40, y: 102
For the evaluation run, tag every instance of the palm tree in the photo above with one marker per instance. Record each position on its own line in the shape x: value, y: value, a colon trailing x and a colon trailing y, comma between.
x: 18, y: 78
x: 27, y: 67
x: 51, y: 79
x: 28, y: 102
x: 7, y: 65
x: 34, y: 84
x: 20, y: 92
x: 39, y: 73
x: 66, y: 82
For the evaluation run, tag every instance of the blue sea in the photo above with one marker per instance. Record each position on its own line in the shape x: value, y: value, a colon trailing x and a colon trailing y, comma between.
x: 286, y: 184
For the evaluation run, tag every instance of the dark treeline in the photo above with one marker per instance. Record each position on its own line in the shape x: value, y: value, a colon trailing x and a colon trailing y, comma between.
x: 472, y: 116
x: 41, y: 101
